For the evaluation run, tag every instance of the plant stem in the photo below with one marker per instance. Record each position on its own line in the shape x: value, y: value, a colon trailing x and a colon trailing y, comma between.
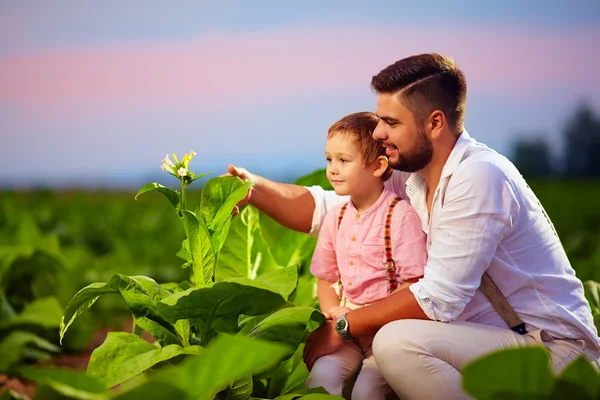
x: 182, y: 195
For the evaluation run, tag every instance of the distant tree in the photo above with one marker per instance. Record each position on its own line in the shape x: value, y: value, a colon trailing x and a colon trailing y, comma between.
x: 532, y: 156
x: 582, y: 143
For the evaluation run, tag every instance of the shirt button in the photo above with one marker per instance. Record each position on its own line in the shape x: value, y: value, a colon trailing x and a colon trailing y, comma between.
x: 349, y: 283
x: 354, y: 239
x: 357, y: 215
x: 351, y: 263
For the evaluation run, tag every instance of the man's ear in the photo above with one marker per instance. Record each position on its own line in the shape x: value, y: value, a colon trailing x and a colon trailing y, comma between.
x: 437, y: 122
x: 381, y: 165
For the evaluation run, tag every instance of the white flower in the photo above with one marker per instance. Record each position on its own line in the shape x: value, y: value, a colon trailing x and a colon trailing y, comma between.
x: 182, y: 171
x: 167, y: 161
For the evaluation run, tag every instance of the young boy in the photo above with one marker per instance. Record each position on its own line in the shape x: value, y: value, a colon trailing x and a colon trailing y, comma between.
x: 367, y: 248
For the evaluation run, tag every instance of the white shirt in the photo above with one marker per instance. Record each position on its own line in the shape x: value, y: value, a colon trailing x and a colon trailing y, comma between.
x: 484, y: 217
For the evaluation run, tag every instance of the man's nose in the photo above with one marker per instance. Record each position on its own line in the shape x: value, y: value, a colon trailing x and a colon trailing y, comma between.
x: 379, y: 132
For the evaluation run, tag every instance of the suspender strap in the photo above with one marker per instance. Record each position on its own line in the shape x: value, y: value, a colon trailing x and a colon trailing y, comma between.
x: 390, y: 265
x: 342, y: 212
x: 501, y: 305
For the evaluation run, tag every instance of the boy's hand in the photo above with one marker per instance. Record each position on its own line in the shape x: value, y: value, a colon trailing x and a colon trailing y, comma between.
x: 243, y: 174
x: 336, y: 312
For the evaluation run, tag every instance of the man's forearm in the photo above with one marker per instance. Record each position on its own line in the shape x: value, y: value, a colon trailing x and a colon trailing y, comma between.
x: 291, y: 205
x: 400, y: 305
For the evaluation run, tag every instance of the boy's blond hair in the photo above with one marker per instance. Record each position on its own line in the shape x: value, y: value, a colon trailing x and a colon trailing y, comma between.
x: 361, y: 126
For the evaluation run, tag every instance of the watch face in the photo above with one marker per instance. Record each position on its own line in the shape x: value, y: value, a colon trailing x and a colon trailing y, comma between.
x: 341, y: 325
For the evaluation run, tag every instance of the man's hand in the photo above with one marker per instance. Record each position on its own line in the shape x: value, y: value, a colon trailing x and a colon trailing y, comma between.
x: 335, y: 312
x: 243, y: 174
x: 323, y: 341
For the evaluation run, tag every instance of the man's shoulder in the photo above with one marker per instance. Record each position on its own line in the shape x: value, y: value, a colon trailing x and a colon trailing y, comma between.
x: 481, y: 163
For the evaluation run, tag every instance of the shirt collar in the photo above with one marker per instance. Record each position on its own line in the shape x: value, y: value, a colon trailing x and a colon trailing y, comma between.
x: 415, y: 183
x: 457, y: 154
x: 384, y: 195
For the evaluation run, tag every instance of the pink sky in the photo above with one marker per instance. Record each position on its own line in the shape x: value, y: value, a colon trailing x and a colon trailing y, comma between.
x: 511, y: 60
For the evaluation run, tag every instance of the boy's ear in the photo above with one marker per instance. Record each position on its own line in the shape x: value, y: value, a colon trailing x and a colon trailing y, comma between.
x: 381, y: 165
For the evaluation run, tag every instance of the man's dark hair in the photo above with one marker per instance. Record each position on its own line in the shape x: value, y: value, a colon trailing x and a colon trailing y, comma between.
x: 425, y: 83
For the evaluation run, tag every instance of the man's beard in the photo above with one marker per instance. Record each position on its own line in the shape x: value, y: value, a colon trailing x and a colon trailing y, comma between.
x: 417, y: 158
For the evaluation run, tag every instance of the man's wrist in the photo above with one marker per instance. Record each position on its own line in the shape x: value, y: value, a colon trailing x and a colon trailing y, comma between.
x: 342, y: 327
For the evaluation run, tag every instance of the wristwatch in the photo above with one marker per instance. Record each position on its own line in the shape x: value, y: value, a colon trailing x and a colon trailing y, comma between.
x: 342, y: 328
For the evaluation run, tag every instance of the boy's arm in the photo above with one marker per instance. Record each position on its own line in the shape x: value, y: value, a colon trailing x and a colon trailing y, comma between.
x: 324, y: 263
x: 310, y: 204
x: 328, y: 298
x: 296, y: 207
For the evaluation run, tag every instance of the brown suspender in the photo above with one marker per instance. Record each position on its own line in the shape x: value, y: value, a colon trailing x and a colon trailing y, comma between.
x: 390, y: 265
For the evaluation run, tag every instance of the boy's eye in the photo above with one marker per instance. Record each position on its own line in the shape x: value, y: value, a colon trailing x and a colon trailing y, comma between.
x: 328, y: 159
x: 343, y: 160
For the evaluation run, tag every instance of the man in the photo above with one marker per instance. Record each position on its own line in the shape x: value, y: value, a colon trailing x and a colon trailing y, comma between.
x: 480, y: 217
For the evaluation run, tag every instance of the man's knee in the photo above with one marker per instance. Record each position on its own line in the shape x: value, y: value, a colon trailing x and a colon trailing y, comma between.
x: 396, y: 340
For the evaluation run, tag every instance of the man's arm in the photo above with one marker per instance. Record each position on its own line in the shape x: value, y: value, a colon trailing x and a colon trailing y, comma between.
x: 399, y: 305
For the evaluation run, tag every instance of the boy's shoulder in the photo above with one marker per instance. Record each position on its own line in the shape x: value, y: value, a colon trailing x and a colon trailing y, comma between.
x: 335, y: 210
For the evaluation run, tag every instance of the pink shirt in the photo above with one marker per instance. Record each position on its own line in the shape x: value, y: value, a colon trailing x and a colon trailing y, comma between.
x: 355, y: 255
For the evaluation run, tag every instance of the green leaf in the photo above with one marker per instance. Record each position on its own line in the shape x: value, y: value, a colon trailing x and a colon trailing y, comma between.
x: 578, y: 380
x: 287, y: 246
x: 287, y: 325
x: 592, y: 294
x: 214, y: 194
x: 200, y: 248
x: 170, y: 194
x: 220, y: 305
x: 155, y: 390
x: 183, y: 329
x: 281, y: 280
x: 45, y: 312
x: 70, y: 383
x: 123, y: 356
x: 196, y: 177
x: 140, y: 301
x: 235, y: 258
x: 219, y: 197
x: 523, y: 373
x: 306, y: 293
x: 241, y: 389
x: 245, y: 253
x: 184, y: 251
x: 290, y: 376
x: 6, y: 310
x: 226, y: 360
x: 14, y: 347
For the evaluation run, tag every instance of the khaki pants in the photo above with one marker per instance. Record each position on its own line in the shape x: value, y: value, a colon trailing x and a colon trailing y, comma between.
x: 423, y: 359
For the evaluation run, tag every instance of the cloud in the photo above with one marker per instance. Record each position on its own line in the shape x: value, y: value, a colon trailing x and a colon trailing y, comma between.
x: 215, y: 69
